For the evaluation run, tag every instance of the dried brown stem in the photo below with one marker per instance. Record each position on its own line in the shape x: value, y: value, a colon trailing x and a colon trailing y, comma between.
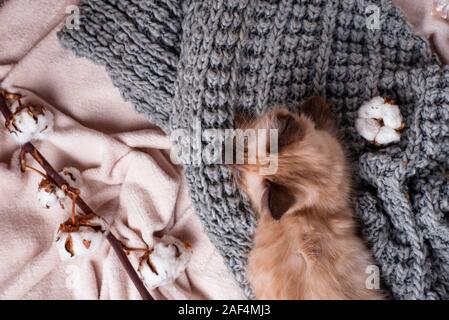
x: 54, y: 176
x: 43, y: 175
x: 136, y: 249
x: 132, y: 249
x: 74, y: 210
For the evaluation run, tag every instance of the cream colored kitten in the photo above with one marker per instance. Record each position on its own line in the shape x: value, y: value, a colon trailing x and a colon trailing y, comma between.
x: 306, y: 244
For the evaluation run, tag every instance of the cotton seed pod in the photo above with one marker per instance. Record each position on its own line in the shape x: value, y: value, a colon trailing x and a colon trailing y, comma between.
x: 379, y: 121
x: 83, y: 238
x: 50, y: 196
x: 165, y: 263
x: 30, y: 122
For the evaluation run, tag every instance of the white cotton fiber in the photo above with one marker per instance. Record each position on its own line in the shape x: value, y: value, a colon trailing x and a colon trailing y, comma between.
x: 367, y: 128
x: 165, y: 263
x: 30, y: 123
x: 51, y: 196
x: 85, y: 239
x: 387, y: 135
x: 379, y: 121
x: 372, y: 108
x: 392, y: 117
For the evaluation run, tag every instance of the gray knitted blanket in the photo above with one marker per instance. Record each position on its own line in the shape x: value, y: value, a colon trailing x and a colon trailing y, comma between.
x: 179, y: 60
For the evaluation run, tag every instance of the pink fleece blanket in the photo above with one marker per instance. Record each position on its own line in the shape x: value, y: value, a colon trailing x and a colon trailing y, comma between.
x: 429, y: 26
x: 124, y: 161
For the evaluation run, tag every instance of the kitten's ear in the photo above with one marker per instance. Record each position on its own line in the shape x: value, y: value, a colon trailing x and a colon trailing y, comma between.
x: 289, y: 128
x: 317, y: 109
x: 280, y: 199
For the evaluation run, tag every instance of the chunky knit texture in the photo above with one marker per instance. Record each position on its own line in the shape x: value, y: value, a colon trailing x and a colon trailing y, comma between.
x: 180, y: 60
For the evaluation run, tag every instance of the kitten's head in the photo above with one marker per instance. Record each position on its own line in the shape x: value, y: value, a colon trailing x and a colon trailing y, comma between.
x: 311, y: 166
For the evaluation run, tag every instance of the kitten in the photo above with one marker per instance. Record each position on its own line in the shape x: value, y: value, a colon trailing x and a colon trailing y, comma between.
x: 306, y: 243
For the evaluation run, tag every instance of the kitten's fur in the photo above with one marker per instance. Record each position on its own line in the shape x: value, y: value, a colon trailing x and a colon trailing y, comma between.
x: 306, y: 244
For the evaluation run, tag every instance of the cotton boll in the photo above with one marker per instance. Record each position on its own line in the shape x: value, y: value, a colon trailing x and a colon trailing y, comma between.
x: 81, y: 243
x: 83, y: 238
x: 30, y: 122
x: 379, y: 121
x: 49, y: 195
x: 373, y: 108
x: 165, y: 263
x: 24, y: 127
x: 392, y: 116
x: 387, y: 135
x: 49, y: 200
x: 367, y: 128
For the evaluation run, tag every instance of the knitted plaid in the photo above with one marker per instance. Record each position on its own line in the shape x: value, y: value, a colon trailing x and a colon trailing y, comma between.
x: 181, y: 60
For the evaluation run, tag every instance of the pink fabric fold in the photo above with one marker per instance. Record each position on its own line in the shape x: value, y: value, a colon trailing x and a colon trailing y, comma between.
x: 128, y: 177
x: 427, y: 25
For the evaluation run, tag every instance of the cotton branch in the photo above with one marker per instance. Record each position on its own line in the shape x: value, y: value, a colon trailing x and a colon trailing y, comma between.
x: 56, y: 178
